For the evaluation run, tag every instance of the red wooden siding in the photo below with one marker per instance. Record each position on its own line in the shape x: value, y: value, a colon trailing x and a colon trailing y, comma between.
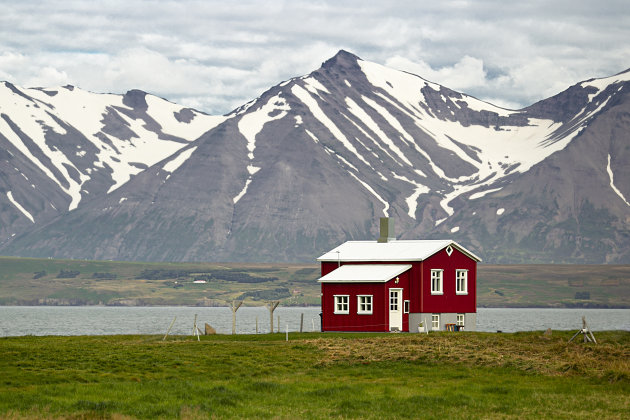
x: 449, y: 301
x: 378, y: 320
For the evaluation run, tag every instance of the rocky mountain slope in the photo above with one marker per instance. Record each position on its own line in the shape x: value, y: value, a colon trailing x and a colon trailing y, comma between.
x: 64, y: 146
x: 317, y: 159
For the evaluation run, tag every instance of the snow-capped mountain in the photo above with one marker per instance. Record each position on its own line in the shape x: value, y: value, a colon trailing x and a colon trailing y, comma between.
x: 317, y: 159
x: 63, y: 146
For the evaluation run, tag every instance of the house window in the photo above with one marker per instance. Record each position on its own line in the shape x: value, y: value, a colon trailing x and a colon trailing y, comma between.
x: 406, y: 306
x: 435, y: 321
x: 460, y: 320
x: 461, y: 282
x: 341, y: 304
x: 436, y: 282
x: 365, y: 304
x: 393, y: 300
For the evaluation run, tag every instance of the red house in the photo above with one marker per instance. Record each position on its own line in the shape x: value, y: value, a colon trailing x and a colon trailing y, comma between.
x: 392, y: 285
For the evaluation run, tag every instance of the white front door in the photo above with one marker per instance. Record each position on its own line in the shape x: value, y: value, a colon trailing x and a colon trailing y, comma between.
x: 395, y: 309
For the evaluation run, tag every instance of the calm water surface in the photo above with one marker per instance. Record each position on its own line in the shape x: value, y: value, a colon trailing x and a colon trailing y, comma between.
x: 97, y: 320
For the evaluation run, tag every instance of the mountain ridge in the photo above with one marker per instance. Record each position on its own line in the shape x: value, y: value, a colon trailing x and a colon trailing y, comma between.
x: 316, y: 159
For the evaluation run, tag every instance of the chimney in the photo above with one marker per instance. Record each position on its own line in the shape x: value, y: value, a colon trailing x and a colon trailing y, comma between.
x: 387, y: 230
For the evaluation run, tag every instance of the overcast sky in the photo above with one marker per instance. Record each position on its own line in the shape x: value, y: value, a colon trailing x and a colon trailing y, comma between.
x: 217, y: 55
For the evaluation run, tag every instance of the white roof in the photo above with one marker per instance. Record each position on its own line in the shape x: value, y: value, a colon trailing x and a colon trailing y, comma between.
x: 415, y: 250
x: 364, y: 273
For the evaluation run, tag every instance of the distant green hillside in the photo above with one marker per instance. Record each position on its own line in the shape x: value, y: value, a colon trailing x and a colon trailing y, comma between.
x: 28, y: 281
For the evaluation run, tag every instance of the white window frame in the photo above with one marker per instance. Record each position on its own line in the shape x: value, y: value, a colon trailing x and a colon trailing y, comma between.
x: 461, y: 320
x: 364, y: 304
x: 437, y: 281
x: 464, y: 278
x: 393, y: 304
x: 342, y: 304
x: 406, y: 304
x: 435, y: 322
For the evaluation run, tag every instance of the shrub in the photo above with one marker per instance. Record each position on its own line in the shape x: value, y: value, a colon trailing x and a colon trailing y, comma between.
x: 68, y: 274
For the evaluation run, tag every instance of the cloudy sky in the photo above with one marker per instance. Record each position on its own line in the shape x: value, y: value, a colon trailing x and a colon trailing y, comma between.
x: 217, y: 55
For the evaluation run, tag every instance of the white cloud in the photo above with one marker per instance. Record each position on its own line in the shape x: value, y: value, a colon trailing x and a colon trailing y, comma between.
x: 218, y: 55
x: 463, y: 75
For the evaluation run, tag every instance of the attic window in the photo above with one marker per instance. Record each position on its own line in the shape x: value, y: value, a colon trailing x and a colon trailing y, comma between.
x: 449, y: 250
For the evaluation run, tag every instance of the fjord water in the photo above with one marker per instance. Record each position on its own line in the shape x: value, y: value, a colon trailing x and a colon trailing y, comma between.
x: 102, y: 320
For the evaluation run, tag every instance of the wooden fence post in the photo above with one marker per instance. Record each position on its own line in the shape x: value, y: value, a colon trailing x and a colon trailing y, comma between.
x: 234, y: 307
x: 272, y: 305
x: 169, y: 328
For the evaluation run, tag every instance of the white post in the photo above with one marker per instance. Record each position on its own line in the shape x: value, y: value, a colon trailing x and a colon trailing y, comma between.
x: 287, y: 332
x: 169, y: 328
x: 313, y: 322
x: 195, y: 329
x: 256, y: 324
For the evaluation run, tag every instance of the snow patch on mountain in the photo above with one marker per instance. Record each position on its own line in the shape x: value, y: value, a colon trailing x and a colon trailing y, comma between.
x: 251, y: 124
x: 612, y: 183
x: 313, y: 85
x: 602, y: 83
x: 303, y: 95
x: 374, y: 127
x: 19, y: 206
x: 164, y: 112
x: 412, y: 200
x: 374, y: 193
x: 243, y: 191
x: 483, y: 193
x: 179, y: 160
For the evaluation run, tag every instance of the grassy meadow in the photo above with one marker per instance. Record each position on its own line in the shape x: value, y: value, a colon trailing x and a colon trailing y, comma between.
x: 30, y: 281
x: 314, y: 375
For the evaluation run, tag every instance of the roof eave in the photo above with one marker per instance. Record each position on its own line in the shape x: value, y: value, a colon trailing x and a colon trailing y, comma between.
x: 353, y: 281
x: 369, y: 260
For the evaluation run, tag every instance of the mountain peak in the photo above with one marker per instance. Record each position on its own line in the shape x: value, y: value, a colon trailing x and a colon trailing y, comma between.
x: 343, y: 58
x: 136, y: 99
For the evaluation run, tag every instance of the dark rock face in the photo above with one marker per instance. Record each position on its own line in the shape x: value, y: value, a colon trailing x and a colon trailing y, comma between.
x: 318, y: 159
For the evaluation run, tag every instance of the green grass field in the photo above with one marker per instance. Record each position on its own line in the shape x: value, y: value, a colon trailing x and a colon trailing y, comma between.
x: 313, y: 375
x: 28, y: 281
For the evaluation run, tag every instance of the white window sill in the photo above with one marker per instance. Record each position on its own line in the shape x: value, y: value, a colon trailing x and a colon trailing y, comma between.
x: 461, y: 293
x: 437, y: 293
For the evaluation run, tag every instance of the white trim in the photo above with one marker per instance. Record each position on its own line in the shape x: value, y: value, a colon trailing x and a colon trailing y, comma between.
x: 440, y: 289
x: 369, y: 304
x: 338, y: 301
x: 396, y: 250
x: 435, y: 318
x: 395, y: 310
x: 406, y: 306
x: 463, y: 320
x: 364, y: 273
x: 465, y: 278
